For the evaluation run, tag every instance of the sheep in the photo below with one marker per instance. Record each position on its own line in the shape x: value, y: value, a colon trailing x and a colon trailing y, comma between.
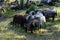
x: 19, y: 19
x: 36, y: 20
x: 51, y: 13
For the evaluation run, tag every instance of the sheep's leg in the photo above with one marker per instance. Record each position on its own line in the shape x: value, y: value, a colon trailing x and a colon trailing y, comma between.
x: 39, y: 27
x: 31, y: 29
x: 25, y: 29
x: 53, y: 18
x: 44, y: 25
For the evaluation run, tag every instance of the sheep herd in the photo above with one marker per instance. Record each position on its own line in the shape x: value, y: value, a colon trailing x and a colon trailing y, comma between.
x: 34, y: 19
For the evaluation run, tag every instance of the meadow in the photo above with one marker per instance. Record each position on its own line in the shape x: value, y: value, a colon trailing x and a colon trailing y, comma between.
x: 50, y: 32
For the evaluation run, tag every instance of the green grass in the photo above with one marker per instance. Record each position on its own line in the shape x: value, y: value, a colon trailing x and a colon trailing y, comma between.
x: 51, y: 32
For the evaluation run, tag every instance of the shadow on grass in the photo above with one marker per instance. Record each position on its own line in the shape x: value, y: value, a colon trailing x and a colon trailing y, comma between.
x: 51, y: 25
x: 3, y: 19
x: 51, y: 34
x: 17, y: 29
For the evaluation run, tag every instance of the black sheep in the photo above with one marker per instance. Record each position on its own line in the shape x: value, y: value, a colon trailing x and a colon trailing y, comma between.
x: 19, y: 19
x: 49, y: 14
